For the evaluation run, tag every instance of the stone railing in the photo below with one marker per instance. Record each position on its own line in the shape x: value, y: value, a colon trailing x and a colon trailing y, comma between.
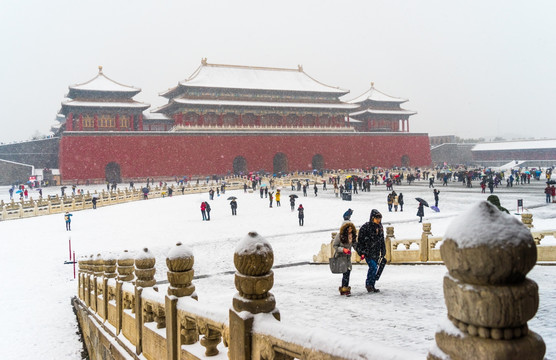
x: 124, y: 313
x: 56, y: 204
x: 427, y: 248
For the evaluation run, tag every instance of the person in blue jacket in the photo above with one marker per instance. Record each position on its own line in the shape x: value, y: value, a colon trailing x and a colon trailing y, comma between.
x: 67, y: 218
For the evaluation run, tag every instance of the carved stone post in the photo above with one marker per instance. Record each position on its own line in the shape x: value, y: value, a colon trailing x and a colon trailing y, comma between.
x: 388, y: 242
x: 98, y: 272
x: 488, y: 297
x: 144, y: 269
x: 424, y: 245
x: 125, y: 267
x: 527, y: 219
x: 253, y: 259
x: 180, y: 274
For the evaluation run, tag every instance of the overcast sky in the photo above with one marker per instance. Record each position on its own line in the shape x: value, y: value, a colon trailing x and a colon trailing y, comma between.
x: 469, y: 68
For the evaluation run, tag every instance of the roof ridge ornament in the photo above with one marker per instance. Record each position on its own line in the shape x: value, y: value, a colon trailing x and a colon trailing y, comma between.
x: 100, y: 69
x: 204, y: 61
x: 372, y: 84
x: 300, y: 68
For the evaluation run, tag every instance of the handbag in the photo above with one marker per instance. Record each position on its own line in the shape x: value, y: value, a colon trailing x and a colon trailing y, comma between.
x: 339, y: 265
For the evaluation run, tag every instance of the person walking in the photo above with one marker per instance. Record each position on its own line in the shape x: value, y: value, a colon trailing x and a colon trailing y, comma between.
x: 315, y: 188
x: 371, y: 247
x: 548, y: 193
x: 94, y: 201
x: 436, y: 192
x: 389, y: 201
x: 395, y: 201
x: 204, y: 210
x: 271, y: 197
x: 343, y: 242
x: 421, y: 212
x: 292, y: 203
x: 301, y: 214
x: 233, y: 205
x: 400, y: 201
x: 67, y: 218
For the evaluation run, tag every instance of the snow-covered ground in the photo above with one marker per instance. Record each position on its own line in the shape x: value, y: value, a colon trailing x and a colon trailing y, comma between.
x: 36, y: 288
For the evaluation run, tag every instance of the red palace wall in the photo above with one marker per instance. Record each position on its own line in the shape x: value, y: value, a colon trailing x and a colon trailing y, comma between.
x: 84, y: 155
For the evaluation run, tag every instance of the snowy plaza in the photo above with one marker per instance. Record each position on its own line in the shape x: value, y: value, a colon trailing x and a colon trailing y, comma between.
x: 38, y: 286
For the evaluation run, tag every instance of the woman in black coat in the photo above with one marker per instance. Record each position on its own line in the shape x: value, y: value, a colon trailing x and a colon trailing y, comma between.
x: 421, y: 212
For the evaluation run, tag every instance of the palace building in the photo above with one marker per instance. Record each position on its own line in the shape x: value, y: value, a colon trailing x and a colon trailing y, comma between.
x: 231, y: 119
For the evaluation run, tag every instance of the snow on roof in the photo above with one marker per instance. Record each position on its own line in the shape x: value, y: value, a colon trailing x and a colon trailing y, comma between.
x: 103, y: 83
x: 148, y: 115
x: 260, y: 78
x: 496, y: 228
x: 106, y: 104
x: 265, y: 104
x: 389, y: 112
x: 375, y: 95
x: 516, y: 145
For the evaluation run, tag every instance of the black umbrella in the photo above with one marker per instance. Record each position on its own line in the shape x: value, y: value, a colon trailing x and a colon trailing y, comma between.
x: 145, y: 190
x: 232, y: 198
x: 422, y: 202
x: 294, y: 196
x: 551, y: 182
x: 64, y: 187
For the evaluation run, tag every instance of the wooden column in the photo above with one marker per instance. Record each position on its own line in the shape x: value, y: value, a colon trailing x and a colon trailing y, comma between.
x: 80, y: 122
x: 221, y: 119
x: 117, y: 122
x: 300, y: 121
x: 258, y: 120
x: 407, y: 125
x: 201, y: 119
x: 131, y: 121
x: 284, y: 121
x: 140, y: 122
x: 317, y: 121
x: 240, y: 120
x: 96, y: 122
x: 69, y: 122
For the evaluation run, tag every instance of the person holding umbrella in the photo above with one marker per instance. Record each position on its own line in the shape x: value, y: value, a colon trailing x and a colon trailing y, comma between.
x: 421, y: 209
x: 292, y: 201
x: 233, y: 204
x: 301, y: 214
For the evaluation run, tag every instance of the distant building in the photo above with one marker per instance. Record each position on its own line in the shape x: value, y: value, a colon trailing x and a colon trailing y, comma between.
x: 534, y: 152
x: 377, y: 111
x: 230, y: 119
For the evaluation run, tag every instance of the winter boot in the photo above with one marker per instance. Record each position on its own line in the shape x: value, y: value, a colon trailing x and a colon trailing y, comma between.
x: 345, y: 290
x: 372, y: 289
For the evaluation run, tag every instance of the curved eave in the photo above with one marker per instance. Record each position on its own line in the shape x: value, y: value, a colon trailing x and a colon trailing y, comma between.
x: 79, y: 93
x: 370, y: 95
x: 383, y: 112
x: 136, y: 106
x: 261, y: 104
x: 102, y: 83
x: 239, y: 73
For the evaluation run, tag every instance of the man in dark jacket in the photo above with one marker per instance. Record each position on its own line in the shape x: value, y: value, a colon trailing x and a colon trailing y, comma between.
x: 371, y: 247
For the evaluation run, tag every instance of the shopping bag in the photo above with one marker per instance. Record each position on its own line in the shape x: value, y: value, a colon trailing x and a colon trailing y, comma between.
x: 339, y: 265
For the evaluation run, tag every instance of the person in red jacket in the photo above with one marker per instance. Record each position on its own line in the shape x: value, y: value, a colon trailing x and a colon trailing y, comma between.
x: 204, y: 210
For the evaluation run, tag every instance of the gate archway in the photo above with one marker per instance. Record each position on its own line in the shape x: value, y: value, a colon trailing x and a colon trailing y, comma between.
x: 112, y: 172
x: 240, y: 165
x: 280, y: 163
x: 318, y: 162
x: 405, y: 161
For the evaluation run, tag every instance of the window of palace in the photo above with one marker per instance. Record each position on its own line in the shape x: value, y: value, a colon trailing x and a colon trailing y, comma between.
x: 124, y: 121
x: 88, y: 121
x: 106, y: 121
